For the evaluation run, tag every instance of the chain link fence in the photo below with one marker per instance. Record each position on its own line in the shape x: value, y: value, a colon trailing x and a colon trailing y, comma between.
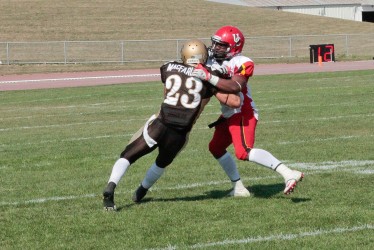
x: 127, y: 51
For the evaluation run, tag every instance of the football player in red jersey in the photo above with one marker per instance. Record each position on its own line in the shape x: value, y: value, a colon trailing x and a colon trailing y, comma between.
x: 184, y: 99
x: 237, y: 125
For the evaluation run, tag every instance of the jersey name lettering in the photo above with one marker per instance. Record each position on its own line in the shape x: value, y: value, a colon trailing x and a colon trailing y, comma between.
x: 180, y: 68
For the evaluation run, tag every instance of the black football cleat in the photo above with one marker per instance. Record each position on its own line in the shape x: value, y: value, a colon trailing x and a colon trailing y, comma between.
x: 108, y: 197
x: 139, y: 194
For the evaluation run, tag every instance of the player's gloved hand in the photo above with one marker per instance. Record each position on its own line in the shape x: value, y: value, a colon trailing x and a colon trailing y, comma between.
x: 224, y: 70
x: 202, y: 73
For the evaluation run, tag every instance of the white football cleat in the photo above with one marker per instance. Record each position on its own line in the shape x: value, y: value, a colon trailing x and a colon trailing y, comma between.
x: 239, y: 190
x: 292, y: 181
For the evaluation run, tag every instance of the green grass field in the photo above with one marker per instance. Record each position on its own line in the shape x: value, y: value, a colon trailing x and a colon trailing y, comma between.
x: 57, y: 148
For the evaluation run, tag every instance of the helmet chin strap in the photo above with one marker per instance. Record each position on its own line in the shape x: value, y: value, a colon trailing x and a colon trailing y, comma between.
x: 219, y: 56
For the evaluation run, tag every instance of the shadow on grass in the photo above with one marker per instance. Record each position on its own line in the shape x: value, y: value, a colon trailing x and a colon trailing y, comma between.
x: 267, y: 191
x: 214, y: 194
x: 257, y: 191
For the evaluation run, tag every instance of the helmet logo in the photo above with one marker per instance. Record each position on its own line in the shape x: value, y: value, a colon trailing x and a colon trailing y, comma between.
x: 236, y: 38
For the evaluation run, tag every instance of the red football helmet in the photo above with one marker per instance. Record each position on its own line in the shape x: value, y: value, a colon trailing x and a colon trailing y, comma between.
x: 231, y: 38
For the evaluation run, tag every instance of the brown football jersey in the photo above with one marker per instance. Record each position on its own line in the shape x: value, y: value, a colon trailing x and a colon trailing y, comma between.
x: 183, y: 97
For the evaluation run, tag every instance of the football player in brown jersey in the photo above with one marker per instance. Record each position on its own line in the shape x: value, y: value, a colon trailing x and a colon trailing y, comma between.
x: 184, y: 99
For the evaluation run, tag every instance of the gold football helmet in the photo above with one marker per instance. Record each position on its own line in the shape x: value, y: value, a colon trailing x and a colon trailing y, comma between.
x: 194, y: 52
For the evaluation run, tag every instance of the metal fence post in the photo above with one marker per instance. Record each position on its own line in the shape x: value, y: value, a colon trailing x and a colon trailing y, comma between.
x: 177, y: 49
x: 7, y: 53
x: 65, y: 56
x: 346, y: 45
x: 122, y: 52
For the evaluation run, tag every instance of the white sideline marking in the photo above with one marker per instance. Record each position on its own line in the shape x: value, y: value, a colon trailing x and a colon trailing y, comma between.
x: 77, y: 78
x: 325, y: 139
x: 93, y: 106
x: 365, y: 171
x: 68, y: 140
x: 114, y: 121
x: 330, y: 165
x: 72, y: 197
x: 131, y: 134
x: 70, y: 124
x: 281, y: 236
x: 213, y: 183
x: 320, y: 118
x: 43, y: 200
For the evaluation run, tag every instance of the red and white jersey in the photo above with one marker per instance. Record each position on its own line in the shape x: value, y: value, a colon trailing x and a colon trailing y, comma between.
x: 244, y: 66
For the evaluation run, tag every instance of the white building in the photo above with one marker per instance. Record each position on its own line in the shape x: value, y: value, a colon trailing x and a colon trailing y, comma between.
x: 355, y: 10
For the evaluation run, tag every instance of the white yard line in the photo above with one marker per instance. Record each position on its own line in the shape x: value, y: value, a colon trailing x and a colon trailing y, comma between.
x: 328, y: 165
x: 99, y: 137
x: 114, y: 121
x: 120, y: 108
x: 76, y: 78
x: 358, y: 167
x: 345, y: 137
x: 273, y: 237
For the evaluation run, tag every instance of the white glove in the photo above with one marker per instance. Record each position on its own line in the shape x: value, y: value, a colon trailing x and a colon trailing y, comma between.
x: 224, y: 70
x: 202, y: 73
